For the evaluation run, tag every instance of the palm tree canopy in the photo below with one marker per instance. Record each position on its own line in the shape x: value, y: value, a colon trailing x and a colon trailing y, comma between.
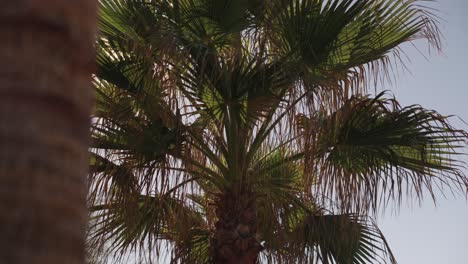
x: 201, y: 103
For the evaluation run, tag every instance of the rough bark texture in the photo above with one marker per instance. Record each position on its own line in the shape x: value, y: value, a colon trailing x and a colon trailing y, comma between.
x: 235, y: 239
x: 45, y: 101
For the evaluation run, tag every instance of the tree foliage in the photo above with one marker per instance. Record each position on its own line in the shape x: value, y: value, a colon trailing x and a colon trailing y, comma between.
x: 208, y: 108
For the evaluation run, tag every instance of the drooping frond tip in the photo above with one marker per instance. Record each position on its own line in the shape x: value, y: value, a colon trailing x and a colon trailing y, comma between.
x: 372, y: 151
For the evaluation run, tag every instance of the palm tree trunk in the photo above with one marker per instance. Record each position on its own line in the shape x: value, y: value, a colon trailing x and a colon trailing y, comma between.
x: 235, y: 239
x: 45, y: 101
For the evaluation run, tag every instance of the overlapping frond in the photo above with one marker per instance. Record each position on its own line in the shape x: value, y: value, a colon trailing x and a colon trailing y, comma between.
x: 297, y: 230
x: 339, y: 239
x: 144, y: 223
x: 346, y: 42
x: 277, y: 183
x: 372, y: 151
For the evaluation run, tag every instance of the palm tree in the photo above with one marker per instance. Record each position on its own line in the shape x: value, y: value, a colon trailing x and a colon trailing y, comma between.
x: 46, y: 98
x: 243, y: 132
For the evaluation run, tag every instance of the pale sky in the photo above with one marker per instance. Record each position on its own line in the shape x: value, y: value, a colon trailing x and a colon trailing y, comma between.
x: 429, y: 234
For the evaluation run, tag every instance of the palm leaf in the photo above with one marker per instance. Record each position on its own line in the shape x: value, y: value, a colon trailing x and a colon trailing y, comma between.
x: 337, y: 41
x: 341, y: 239
x: 146, y: 218
x: 371, y: 150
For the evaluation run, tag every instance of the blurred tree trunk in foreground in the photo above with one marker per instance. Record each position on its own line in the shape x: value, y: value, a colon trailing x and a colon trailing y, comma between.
x: 46, y: 60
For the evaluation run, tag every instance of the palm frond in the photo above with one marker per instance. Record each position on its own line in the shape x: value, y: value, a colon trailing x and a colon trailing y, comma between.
x: 340, y: 239
x: 372, y: 150
x: 348, y: 41
x: 148, y: 218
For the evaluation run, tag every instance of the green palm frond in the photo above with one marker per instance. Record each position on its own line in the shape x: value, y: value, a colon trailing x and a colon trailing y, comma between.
x: 144, y: 129
x: 135, y: 24
x: 227, y: 16
x: 277, y: 183
x: 372, y: 150
x: 298, y: 231
x: 342, y: 40
x: 145, y: 218
x: 340, y: 239
x: 248, y: 87
x: 193, y: 247
x: 310, y: 236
